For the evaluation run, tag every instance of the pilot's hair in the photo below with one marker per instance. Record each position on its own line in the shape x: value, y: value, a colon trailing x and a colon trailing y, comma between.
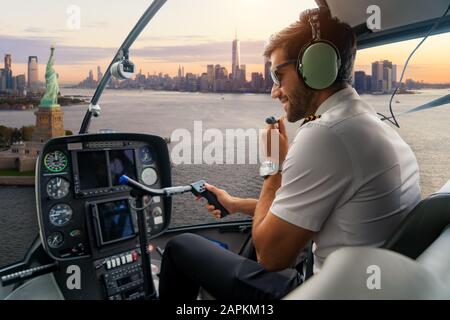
x: 294, y: 37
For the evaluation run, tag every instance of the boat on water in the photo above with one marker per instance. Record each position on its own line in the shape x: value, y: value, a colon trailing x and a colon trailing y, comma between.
x: 104, y: 204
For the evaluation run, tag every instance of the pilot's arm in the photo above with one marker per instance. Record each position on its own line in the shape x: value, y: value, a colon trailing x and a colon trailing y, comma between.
x: 294, y: 205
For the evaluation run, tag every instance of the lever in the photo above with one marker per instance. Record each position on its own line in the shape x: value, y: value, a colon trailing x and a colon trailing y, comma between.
x: 197, y: 188
x: 27, y: 274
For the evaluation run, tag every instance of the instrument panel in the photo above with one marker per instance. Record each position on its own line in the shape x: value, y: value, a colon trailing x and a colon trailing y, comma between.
x: 87, y: 218
x: 81, y: 199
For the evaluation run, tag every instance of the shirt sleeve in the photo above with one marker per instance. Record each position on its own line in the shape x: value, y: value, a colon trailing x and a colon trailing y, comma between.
x: 316, y: 173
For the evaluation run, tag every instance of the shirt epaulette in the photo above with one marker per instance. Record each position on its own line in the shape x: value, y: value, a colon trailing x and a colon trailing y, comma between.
x: 311, y: 118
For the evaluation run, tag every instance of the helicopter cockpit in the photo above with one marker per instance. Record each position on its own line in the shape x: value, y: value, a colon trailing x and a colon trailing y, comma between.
x: 104, y: 206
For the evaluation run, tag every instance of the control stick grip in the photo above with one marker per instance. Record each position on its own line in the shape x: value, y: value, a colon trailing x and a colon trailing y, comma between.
x: 199, y: 189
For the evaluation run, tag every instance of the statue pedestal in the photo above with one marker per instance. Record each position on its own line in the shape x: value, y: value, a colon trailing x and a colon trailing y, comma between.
x: 49, y: 123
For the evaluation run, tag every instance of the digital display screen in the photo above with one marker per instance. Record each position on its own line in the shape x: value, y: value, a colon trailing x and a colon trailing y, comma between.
x: 93, y: 171
x: 121, y: 162
x: 115, y: 220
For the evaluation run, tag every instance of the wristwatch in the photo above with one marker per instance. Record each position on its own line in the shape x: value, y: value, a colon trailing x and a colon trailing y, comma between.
x: 268, y: 168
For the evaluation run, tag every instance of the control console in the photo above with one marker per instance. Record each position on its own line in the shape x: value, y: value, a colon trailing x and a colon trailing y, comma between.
x: 87, y: 217
x: 122, y: 275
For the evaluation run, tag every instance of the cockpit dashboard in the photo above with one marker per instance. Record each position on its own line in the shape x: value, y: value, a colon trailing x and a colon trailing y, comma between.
x: 86, y: 218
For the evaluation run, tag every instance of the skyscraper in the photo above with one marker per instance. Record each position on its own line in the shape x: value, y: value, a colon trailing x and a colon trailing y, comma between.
x: 267, y: 78
x: 20, y: 82
x: 2, y: 80
x: 242, y: 73
x: 217, y: 72
x: 8, y: 62
x: 394, y: 75
x: 8, y: 72
x: 210, y: 73
x: 236, y: 57
x: 377, y: 76
x: 257, y: 81
x: 387, y: 75
x: 384, y: 75
x: 99, y: 74
x: 33, y: 72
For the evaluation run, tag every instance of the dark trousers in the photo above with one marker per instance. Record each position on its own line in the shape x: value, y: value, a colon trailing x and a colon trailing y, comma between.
x: 190, y: 262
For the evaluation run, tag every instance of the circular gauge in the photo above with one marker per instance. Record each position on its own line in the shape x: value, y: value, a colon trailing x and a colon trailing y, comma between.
x: 58, y: 188
x: 149, y: 176
x: 146, y: 155
x: 55, y: 161
x: 55, y: 240
x: 60, y: 214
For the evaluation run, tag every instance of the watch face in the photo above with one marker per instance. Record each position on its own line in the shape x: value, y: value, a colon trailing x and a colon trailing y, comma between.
x: 268, y: 168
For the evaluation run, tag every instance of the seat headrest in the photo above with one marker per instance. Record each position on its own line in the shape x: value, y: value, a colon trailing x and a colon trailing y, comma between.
x: 351, y: 273
x: 436, y: 258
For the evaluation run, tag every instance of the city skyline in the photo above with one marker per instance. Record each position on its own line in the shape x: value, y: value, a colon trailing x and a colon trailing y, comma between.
x: 419, y: 68
x: 205, y: 37
x: 381, y: 79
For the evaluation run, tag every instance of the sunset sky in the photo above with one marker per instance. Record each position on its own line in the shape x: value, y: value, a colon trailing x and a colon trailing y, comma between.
x: 192, y: 33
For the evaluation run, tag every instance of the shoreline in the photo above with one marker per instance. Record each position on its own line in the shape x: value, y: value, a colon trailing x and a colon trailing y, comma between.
x: 17, y: 181
x: 24, y: 104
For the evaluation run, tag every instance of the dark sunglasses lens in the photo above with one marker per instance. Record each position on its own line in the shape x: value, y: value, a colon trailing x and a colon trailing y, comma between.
x: 274, y: 77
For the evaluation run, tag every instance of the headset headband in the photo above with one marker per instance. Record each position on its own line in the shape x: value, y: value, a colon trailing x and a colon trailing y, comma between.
x: 315, y: 26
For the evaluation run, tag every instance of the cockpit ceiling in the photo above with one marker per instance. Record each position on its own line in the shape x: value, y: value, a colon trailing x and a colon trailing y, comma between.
x: 400, y: 19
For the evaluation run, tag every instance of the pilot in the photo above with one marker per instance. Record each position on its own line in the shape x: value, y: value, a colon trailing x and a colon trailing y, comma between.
x: 347, y: 179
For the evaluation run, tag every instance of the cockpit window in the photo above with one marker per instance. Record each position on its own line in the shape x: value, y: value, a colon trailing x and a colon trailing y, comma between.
x: 377, y: 73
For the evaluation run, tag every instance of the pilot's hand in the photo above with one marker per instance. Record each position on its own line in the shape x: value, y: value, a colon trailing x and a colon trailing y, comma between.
x: 224, y: 198
x: 283, y: 144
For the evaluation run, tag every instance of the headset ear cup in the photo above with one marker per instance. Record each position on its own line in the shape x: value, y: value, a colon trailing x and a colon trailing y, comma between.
x: 319, y: 65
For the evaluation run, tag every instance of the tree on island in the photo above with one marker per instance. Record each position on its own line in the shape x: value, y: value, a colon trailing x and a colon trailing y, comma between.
x: 8, y: 136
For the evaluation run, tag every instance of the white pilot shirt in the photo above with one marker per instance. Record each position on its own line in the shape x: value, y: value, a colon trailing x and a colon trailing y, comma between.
x: 347, y: 176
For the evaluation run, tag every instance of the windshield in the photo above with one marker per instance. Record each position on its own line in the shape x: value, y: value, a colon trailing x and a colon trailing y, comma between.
x: 181, y: 91
x: 427, y: 78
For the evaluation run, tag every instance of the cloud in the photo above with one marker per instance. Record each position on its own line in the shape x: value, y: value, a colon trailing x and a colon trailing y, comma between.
x: 97, y: 25
x: 213, y: 52
x: 22, y: 47
x: 34, y: 30
x: 176, y: 38
x: 251, y: 52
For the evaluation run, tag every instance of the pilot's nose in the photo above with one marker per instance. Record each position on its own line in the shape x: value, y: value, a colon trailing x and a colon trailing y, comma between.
x: 276, y: 91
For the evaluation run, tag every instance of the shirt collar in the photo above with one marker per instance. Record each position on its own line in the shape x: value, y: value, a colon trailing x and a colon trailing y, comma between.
x: 342, y: 95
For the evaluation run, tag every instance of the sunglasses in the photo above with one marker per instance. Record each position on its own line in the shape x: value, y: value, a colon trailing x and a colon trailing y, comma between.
x: 274, y: 73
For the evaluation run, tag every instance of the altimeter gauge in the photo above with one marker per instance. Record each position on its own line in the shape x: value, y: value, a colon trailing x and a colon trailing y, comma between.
x: 55, y: 161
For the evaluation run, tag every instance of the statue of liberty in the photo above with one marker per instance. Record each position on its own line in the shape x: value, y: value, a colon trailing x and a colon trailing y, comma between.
x: 50, y: 98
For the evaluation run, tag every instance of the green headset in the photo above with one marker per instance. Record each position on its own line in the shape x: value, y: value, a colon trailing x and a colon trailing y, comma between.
x: 319, y: 60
